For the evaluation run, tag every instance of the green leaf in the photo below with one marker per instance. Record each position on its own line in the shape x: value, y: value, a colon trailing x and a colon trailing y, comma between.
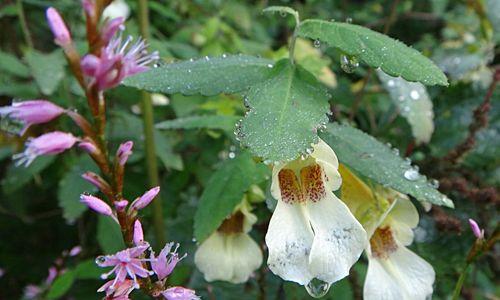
x: 109, y: 235
x: 223, y: 122
x: 285, y: 112
x: 376, y: 50
x: 225, y: 191
x: 17, y: 177
x: 206, y: 76
x: 61, y: 285
x: 48, y: 69
x: 164, y: 151
x: 72, y: 185
x: 376, y: 161
x: 88, y: 269
x: 414, y: 104
x: 11, y: 64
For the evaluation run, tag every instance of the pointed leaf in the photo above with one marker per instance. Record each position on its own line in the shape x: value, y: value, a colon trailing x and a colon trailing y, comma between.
x: 414, y: 104
x: 376, y: 50
x: 47, y: 69
x: 374, y: 160
x: 285, y: 112
x: 206, y: 76
x: 225, y: 191
x: 194, y: 122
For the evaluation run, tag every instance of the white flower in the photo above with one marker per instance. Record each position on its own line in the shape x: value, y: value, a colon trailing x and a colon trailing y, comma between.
x: 394, y: 272
x: 312, y: 234
x: 117, y: 8
x: 230, y: 254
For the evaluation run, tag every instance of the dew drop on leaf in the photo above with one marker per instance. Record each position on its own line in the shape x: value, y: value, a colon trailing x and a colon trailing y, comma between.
x: 317, y: 288
x: 348, y: 20
x: 348, y: 64
x: 100, y: 259
x: 317, y: 43
x: 411, y: 174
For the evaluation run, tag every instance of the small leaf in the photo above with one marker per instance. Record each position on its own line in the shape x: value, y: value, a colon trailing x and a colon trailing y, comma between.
x: 47, y: 69
x: 374, y: 160
x: 206, y: 76
x: 17, y: 177
x: 61, y: 285
x: 109, y: 235
x: 414, y: 104
x: 283, y: 10
x: 11, y: 64
x: 376, y: 50
x: 285, y: 112
x: 225, y: 191
x: 88, y: 269
x: 223, y: 122
x: 165, y: 152
x: 72, y: 185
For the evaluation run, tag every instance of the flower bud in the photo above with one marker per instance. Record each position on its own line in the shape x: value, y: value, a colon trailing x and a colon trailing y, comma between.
x: 61, y: 33
x: 478, y: 232
x: 88, y: 146
x: 145, y: 199
x: 120, y: 205
x: 96, y: 204
x: 32, y: 112
x: 97, y: 181
x: 138, y: 233
x: 124, y: 151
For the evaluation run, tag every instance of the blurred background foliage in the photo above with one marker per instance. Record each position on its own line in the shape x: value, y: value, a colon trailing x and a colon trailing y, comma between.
x: 40, y: 215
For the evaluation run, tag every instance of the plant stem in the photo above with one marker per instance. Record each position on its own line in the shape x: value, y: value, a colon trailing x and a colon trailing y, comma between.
x: 291, y: 50
x: 148, y: 119
x: 24, y: 24
x: 460, y: 283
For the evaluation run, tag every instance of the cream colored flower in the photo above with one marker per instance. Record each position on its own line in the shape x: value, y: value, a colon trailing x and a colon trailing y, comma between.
x: 312, y: 234
x: 117, y: 8
x: 394, y: 272
x: 230, y: 254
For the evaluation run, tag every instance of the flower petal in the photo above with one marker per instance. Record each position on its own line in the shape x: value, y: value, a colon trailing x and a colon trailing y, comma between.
x: 211, y: 259
x: 402, y: 276
x: 245, y: 254
x: 403, y: 218
x: 326, y: 158
x: 339, y: 239
x: 289, y: 238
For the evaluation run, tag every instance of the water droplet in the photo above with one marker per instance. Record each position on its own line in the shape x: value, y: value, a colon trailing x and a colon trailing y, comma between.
x: 224, y: 55
x: 100, y: 259
x: 348, y: 20
x: 395, y: 151
x: 348, y: 64
x: 414, y: 95
x: 193, y: 240
x: 434, y: 183
x: 317, y: 43
x: 231, y: 155
x: 270, y: 65
x: 317, y: 288
x: 411, y: 174
x: 282, y: 14
x: 391, y: 83
x: 207, y: 58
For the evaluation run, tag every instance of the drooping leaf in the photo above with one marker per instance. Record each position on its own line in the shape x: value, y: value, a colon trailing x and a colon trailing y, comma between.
x: 376, y: 161
x: 414, y: 104
x: 61, y: 285
x: 109, y: 235
x: 11, y: 64
x: 164, y: 151
x: 47, y: 69
x: 72, y: 185
x: 285, y: 112
x: 17, y: 177
x: 223, y: 122
x: 206, y: 76
x: 376, y: 50
x: 88, y: 269
x: 224, y: 191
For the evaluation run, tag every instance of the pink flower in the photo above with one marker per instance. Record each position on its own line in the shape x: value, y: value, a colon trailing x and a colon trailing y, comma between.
x: 89, y: 7
x: 138, y: 233
x: 52, y: 275
x: 32, y: 112
x: 117, y: 61
x: 61, y: 33
x: 165, y: 262
x: 97, y: 181
x: 111, y: 28
x: 121, y: 205
x: 118, y: 292
x: 96, y: 204
x: 88, y: 146
x: 124, y: 151
x: 478, y: 232
x: 75, y: 251
x: 32, y: 291
x: 145, y: 199
x: 125, y: 262
x: 46, y: 144
x: 179, y: 293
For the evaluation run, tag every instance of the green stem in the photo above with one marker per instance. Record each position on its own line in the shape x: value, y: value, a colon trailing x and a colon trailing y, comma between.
x: 148, y: 119
x: 460, y: 283
x: 291, y: 50
x: 24, y: 24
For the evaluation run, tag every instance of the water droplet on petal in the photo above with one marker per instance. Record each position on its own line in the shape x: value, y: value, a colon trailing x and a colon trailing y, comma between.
x: 100, y: 260
x: 317, y: 288
x: 348, y: 64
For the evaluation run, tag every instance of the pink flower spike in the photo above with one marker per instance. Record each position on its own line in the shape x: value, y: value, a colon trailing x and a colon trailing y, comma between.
x: 124, y: 151
x: 111, y: 28
x: 145, y: 199
x: 125, y: 262
x: 75, y: 251
x: 58, y: 27
x: 47, y: 144
x: 179, y: 293
x: 120, y: 291
x: 32, y: 112
x: 165, y: 262
x: 138, y: 233
x: 478, y: 232
x: 96, y: 204
x: 121, y: 205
